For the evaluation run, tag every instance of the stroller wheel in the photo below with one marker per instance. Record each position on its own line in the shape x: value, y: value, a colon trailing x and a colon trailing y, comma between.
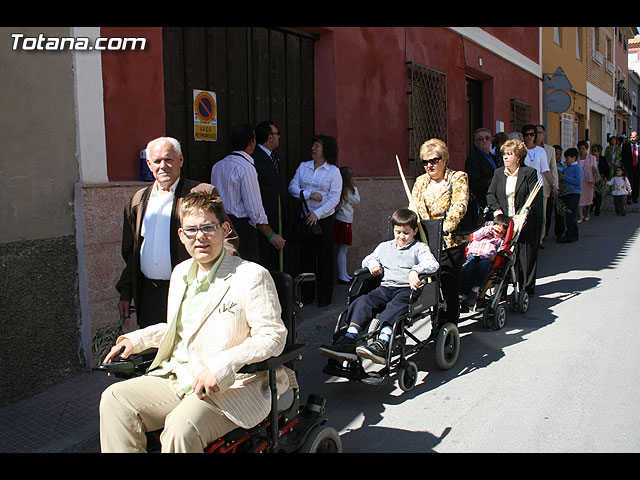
x: 499, y: 317
x: 487, y: 317
x: 523, y: 301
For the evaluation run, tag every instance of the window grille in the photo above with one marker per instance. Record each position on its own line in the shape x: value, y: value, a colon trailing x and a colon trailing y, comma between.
x: 520, y: 115
x: 427, y: 111
x: 567, y: 138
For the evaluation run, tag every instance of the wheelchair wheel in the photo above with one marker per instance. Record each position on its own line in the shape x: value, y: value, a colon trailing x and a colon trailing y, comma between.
x: 322, y: 439
x: 407, y: 376
x: 447, y: 346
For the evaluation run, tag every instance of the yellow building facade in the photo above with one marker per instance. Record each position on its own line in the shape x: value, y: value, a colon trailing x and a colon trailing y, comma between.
x: 564, y: 50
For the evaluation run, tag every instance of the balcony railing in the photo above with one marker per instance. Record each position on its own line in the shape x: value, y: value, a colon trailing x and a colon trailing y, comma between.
x: 623, y: 99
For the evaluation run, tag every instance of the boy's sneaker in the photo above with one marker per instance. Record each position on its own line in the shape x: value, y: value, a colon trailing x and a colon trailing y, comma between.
x: 376, y: 352
x: 343, y: 349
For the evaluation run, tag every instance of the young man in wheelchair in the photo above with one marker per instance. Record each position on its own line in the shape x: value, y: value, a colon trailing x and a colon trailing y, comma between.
x: 400, y: 261
x: 223, y: 313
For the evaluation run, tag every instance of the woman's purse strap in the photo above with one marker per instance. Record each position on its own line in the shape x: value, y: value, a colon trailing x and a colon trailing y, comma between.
x: 305, y: 207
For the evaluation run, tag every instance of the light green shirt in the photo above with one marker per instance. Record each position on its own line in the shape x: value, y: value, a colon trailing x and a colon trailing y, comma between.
x: 189, y: 314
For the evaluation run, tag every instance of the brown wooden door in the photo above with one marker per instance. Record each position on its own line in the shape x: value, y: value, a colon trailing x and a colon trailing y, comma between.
x: 257, y: 73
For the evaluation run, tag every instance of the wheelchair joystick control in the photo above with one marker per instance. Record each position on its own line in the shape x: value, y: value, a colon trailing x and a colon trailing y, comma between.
x: 120, y: 367
x: 315, y: 405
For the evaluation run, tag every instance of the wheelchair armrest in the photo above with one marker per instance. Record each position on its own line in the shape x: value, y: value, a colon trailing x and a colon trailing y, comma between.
x: 130, y: 366
x: 299, y: 280
x: 424, y: 279
x: 361, y: 271
x: 289, y: 354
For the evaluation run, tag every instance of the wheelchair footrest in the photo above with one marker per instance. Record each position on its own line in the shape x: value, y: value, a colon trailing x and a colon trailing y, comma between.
x: 375, y: 378
x: 355, y: 372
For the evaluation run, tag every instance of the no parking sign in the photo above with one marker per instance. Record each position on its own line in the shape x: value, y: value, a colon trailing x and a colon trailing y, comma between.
x: 205, y: 116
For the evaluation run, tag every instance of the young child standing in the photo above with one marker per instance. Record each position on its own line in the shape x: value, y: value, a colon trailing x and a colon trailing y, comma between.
x: 482, y: 250
x: 571, y: 180
x: 621, y: 188
x: 400, y: 262
x: 342, y: 235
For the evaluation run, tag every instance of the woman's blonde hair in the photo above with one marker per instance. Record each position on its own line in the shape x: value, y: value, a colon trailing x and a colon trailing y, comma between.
x: 518, y: 148
x: 438, y: 146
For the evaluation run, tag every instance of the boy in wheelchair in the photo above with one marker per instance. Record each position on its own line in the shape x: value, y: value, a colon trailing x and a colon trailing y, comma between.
x: 481, y: 252
x: 400, y: 262
x: 223, y: 314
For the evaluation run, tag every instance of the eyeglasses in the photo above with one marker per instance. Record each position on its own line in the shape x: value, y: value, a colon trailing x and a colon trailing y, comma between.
x: 529, y: 134
x: 275, y: 133
x: 432, y: 161
x: 209, y: 229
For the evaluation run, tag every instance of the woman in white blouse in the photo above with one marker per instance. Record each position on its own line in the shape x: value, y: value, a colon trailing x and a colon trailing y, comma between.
x: 321, y: 183
x: 508, y: 192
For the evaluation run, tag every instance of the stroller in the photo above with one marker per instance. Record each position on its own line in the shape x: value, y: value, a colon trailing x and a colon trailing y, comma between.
x: 424, y: 304
x: 504, y: 272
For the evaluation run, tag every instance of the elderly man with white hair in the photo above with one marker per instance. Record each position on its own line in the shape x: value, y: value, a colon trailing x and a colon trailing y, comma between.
x: 150, y: 243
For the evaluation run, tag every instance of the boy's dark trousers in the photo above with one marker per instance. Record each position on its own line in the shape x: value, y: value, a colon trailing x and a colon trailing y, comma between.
x: 571, y: 217
x: 560, y: 226
x: 390, y: 302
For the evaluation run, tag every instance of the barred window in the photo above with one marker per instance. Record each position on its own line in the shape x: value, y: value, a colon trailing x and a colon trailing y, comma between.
x: 520, y: 115
x: 427, y: 110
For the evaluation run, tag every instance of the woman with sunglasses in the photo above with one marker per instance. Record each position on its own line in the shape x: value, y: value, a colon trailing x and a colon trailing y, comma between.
x: 444, y: 193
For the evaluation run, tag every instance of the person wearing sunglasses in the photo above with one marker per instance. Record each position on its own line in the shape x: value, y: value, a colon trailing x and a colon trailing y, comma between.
x: 444, y: 193
x: 480, y: 165
x: 537, y: 158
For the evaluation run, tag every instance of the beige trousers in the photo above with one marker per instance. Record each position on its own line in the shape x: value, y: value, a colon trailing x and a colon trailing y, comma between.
x: 132, y: 407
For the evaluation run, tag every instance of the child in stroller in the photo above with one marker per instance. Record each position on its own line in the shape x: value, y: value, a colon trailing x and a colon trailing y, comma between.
x: 481, y: 253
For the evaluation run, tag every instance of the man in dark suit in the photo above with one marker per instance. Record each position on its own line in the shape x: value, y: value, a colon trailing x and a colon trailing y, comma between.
x: 631, y: 164
x: 480, y: 165
x: 150, y: 243
x: 273, y: 189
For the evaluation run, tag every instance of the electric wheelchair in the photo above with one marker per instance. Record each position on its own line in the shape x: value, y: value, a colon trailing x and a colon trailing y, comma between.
x: 290, y: 426
x: 424, y: 304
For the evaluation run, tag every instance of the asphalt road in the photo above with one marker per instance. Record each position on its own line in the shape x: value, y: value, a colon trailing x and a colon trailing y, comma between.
x: 560, y: 378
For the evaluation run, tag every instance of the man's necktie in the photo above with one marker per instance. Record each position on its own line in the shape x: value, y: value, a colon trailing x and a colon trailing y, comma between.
x: 275, y: 162
x: 635, y: 154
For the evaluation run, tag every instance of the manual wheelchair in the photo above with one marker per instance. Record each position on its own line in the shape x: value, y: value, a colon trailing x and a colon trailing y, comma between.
x: 424, y: 304
x: 290, y: 426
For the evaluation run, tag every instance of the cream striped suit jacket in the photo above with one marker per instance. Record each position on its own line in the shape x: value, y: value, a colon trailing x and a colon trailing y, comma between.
x: 241, y: 325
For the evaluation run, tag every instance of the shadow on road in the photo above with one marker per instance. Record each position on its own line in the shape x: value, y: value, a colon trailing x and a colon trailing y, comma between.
x: 356, y: 409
